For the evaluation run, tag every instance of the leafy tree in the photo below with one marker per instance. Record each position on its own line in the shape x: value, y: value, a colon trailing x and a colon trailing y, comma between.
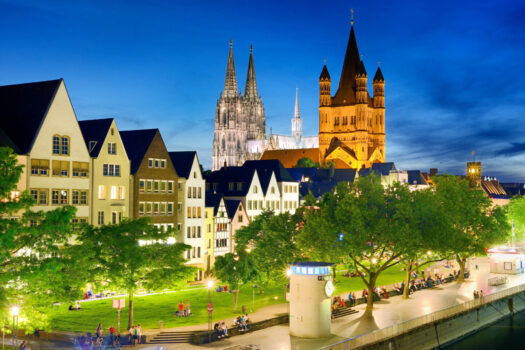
x: 364, y: 221
x: 472, y: 223
x: 306, y: 163
x: 270, y: 241
x: 133, y: 255
x: 516, y: 215
x: 236, y: 270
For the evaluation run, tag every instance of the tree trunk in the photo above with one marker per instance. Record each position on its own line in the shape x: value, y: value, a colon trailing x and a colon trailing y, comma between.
x: 235, y: 298
x: 334, y: 272
x: 461, y: 263
x: 260, y: 290
x: 130, y: 304
x: 370, y: 298
x: 407, y: 280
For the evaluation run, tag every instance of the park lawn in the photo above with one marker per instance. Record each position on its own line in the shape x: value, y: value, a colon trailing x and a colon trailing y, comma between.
x: 149, y: 310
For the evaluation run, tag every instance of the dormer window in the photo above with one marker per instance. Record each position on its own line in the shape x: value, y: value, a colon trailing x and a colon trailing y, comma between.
x: 254, y: 189
x: 230, y: 186
x: 239, y: 186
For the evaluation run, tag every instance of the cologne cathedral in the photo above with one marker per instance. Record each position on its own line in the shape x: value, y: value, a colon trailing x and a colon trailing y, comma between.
x: 238, y: 118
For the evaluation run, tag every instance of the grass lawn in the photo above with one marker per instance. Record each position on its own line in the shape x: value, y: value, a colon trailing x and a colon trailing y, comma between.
x: 150, y: 309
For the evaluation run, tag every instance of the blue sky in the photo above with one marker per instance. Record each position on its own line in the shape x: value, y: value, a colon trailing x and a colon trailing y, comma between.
x: 454, y: 70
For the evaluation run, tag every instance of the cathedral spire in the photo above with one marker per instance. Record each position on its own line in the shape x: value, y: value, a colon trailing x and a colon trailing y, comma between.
x: 250, y: 92
x: 230, y: 83
x: 345, y: 94
x: 296, y: 110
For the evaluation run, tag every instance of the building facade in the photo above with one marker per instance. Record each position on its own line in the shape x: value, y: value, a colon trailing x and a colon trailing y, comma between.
x: 153, y: 178
x: 190, y: 206
x: 238, y: 118
x: 110, y: 166
x: 209, y: 240
x: 37, y: 120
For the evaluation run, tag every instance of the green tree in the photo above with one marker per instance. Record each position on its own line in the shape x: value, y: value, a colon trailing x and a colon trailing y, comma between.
x: 134, y: 255
x: 516, y: 215
x: 306, y: 163
x: 236, y: 270
x: 472, y: 223
x: 364, y: 221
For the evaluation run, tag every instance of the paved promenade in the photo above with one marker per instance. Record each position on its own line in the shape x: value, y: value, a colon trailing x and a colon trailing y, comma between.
x: 386, y: 313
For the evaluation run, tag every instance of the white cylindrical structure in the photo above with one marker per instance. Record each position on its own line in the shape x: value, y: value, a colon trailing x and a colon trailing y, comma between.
x: 310, y: 291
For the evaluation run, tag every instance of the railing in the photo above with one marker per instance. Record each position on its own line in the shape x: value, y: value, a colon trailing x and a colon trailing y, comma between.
x: 406, y: 326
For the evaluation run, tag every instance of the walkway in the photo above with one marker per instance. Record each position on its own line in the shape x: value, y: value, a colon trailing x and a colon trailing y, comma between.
x: 386, y: 313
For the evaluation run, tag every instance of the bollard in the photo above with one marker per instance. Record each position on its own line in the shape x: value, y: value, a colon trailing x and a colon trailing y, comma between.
x: 161, y: 324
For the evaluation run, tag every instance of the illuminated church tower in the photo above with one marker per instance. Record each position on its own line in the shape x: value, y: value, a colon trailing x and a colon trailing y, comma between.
x: 351, y: 123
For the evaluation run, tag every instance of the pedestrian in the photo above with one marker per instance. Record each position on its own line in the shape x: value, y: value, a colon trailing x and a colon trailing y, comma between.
x: 187, y: 310
x: 130, y: 334
x: 99, y: 330
x: 139, y: 328
x: 481, y: 295
x: 135, y: 335
x: 112, y: 335
x: 23, y: 346
x: 180, y: 311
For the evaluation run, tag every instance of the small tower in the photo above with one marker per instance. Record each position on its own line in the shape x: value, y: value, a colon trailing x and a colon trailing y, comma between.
x: 297, y: 123
x: 361, y: 84
x: 324, y: 87
x: 474, y: 174
x: 379, y: 89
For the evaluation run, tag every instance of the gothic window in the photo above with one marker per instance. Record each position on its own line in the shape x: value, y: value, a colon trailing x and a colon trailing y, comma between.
x: 223, y: 144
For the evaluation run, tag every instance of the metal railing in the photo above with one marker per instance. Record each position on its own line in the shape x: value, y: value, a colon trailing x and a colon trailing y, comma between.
x: 406, y: 326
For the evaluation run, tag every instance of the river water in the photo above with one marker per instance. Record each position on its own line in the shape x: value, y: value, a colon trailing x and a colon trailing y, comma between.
x: 508, y: 333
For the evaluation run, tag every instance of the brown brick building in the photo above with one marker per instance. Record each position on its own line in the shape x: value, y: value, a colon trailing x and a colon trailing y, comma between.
x: 153, y: 179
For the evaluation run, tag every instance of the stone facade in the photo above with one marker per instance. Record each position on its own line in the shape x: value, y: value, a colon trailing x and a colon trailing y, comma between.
x: 238, y: 118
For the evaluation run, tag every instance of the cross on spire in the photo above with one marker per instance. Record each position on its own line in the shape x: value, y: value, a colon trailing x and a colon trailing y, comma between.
x: 352, y: 17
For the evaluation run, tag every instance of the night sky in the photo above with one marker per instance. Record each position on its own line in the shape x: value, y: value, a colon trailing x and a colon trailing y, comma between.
x: 454, y: 70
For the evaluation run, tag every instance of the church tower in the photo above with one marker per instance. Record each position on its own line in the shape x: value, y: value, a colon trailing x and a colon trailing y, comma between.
x: 297, y: 123
x: 229, y: 141
x: 253, y: 106
x: 351, y: 123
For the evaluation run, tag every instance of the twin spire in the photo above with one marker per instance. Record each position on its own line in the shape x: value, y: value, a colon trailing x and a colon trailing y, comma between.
x: 230, y: 84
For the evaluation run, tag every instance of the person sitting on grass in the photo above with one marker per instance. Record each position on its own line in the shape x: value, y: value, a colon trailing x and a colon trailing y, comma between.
x: 180, y: 311
x: 224, y: 328
x: 246, y: 320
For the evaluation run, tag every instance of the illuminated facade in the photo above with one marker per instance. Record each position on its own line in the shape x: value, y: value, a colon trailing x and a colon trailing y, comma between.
x: 352, y: 123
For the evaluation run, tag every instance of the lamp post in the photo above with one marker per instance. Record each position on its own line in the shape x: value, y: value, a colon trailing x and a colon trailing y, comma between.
x: 14, y: 311
x: 210, y: 309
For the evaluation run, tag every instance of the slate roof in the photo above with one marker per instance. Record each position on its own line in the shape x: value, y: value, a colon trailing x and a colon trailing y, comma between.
x: 300, y: 173
x: 231, y: 207
x: 416, y: 178
x: 324, y: 180
x: 23, y: 108
x: 213, y: 200
x: 514, y: 189
x: 281, y: 174
x: 95, y: 130
x: 183, y: 161
x: 379, y: 75
x: 222, y: 178
x: 361, y: 69
x: 137, y: 143
x: 494, y: 189
x: 345, y: 94
x: 324, y: 74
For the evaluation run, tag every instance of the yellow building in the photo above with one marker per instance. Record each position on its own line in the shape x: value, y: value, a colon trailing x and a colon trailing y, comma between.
x: 37, y: 120
x: 352, y: 123
x: 209, y: 257
x: 110, y: 171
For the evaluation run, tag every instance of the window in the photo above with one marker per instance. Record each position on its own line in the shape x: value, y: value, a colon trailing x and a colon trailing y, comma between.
x: 142, y: 185
x: 267, y: 204
x: 101, y: 192
x: 60, y: 168
x: 179, y: 207
x: 40, y: 196
x: 113, y: 192
x: 277, y: 204
x: 101, y: 218
x: 60, y: 145
x: 76, y: 197
x: 163, y: 208
x: 209, y: 230
x: 142, y: 206
x: 156, y: 186
x: 156, y: 163
x: 170, y: 186
x: 285, y: 205
x: 40, y: 167
x: 239, y: 186
x: 65, y: 145
x: 112, y: 148
x: 150, y: 163
x: 194, y: 174
x: 194, y: 212
x: 80, y: 169
x: 198, y: 251
x: 156, y: 208
x: 254, y: 189
x: 240, y: 218
x: 117, y: 169
x: 149, y: 184
x: 189, y: 192
x: 170, y: 208
x: 56, y: 144
x: 273, y: 190
x: 179, y: 185
x: 249, y: 205
x: 121, y: 192
x: 199, y: 214
x: 230, y: 186
x: 149, y: 208
x: 163, y: 186
x: 59, y: 197
x: 179, y: 225
x: 111, y: 170
x: 114, y: 217
x: 193, y: 232
x: 162, y: 164
x: 261, y: 204
x: 194, y: 192
x: 188, y: 234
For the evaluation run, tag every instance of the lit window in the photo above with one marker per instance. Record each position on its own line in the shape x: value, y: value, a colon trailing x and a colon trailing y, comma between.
x: 170, y: 208
x: 149, y: 208
x: 113, y: 192
x: 148, y: 186
x: 101, y: 192
x: 141, y: 208
x: 141, y: 185
x: 163, y: 208
x: 122, y: 192
x: 163, y: 186
x: 156, y: 186
x: 156, y: 208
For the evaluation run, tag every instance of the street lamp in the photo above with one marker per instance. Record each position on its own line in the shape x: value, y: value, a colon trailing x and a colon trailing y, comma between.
x: 14, y: 311
x: 210, y: 309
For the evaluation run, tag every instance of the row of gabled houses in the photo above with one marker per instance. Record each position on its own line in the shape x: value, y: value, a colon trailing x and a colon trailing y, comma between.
x: 109, y: 174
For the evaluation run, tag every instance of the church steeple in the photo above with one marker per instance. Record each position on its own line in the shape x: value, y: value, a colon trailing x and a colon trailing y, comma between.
x: 297, y: 123
x: 345, y: 94
x: 230, y: 83
x: 250, y: 91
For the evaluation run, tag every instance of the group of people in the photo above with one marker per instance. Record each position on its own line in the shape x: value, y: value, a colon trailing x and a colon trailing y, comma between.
x: 338, y: 302
x: 241, y: 322
x: 478, y: 294
x: 222, y: 289
x: 89, y: 341
x: 74, y: 308
x: 135, y: 334
x: 183, y: 310
x: 221, y: 329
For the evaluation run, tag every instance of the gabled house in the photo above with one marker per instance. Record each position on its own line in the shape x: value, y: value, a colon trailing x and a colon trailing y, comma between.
x: 190, y: 205
x: 38, y: 121
x: 110, y: 165
x: 238, y: 217
x: 152, y: 177
x: 222, y: 224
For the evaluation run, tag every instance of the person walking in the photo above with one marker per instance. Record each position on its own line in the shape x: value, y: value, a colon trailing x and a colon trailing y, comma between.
x: 139, y: 333
x: 23, y: 346
x: 112, y: 335
x: 187, y: 312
